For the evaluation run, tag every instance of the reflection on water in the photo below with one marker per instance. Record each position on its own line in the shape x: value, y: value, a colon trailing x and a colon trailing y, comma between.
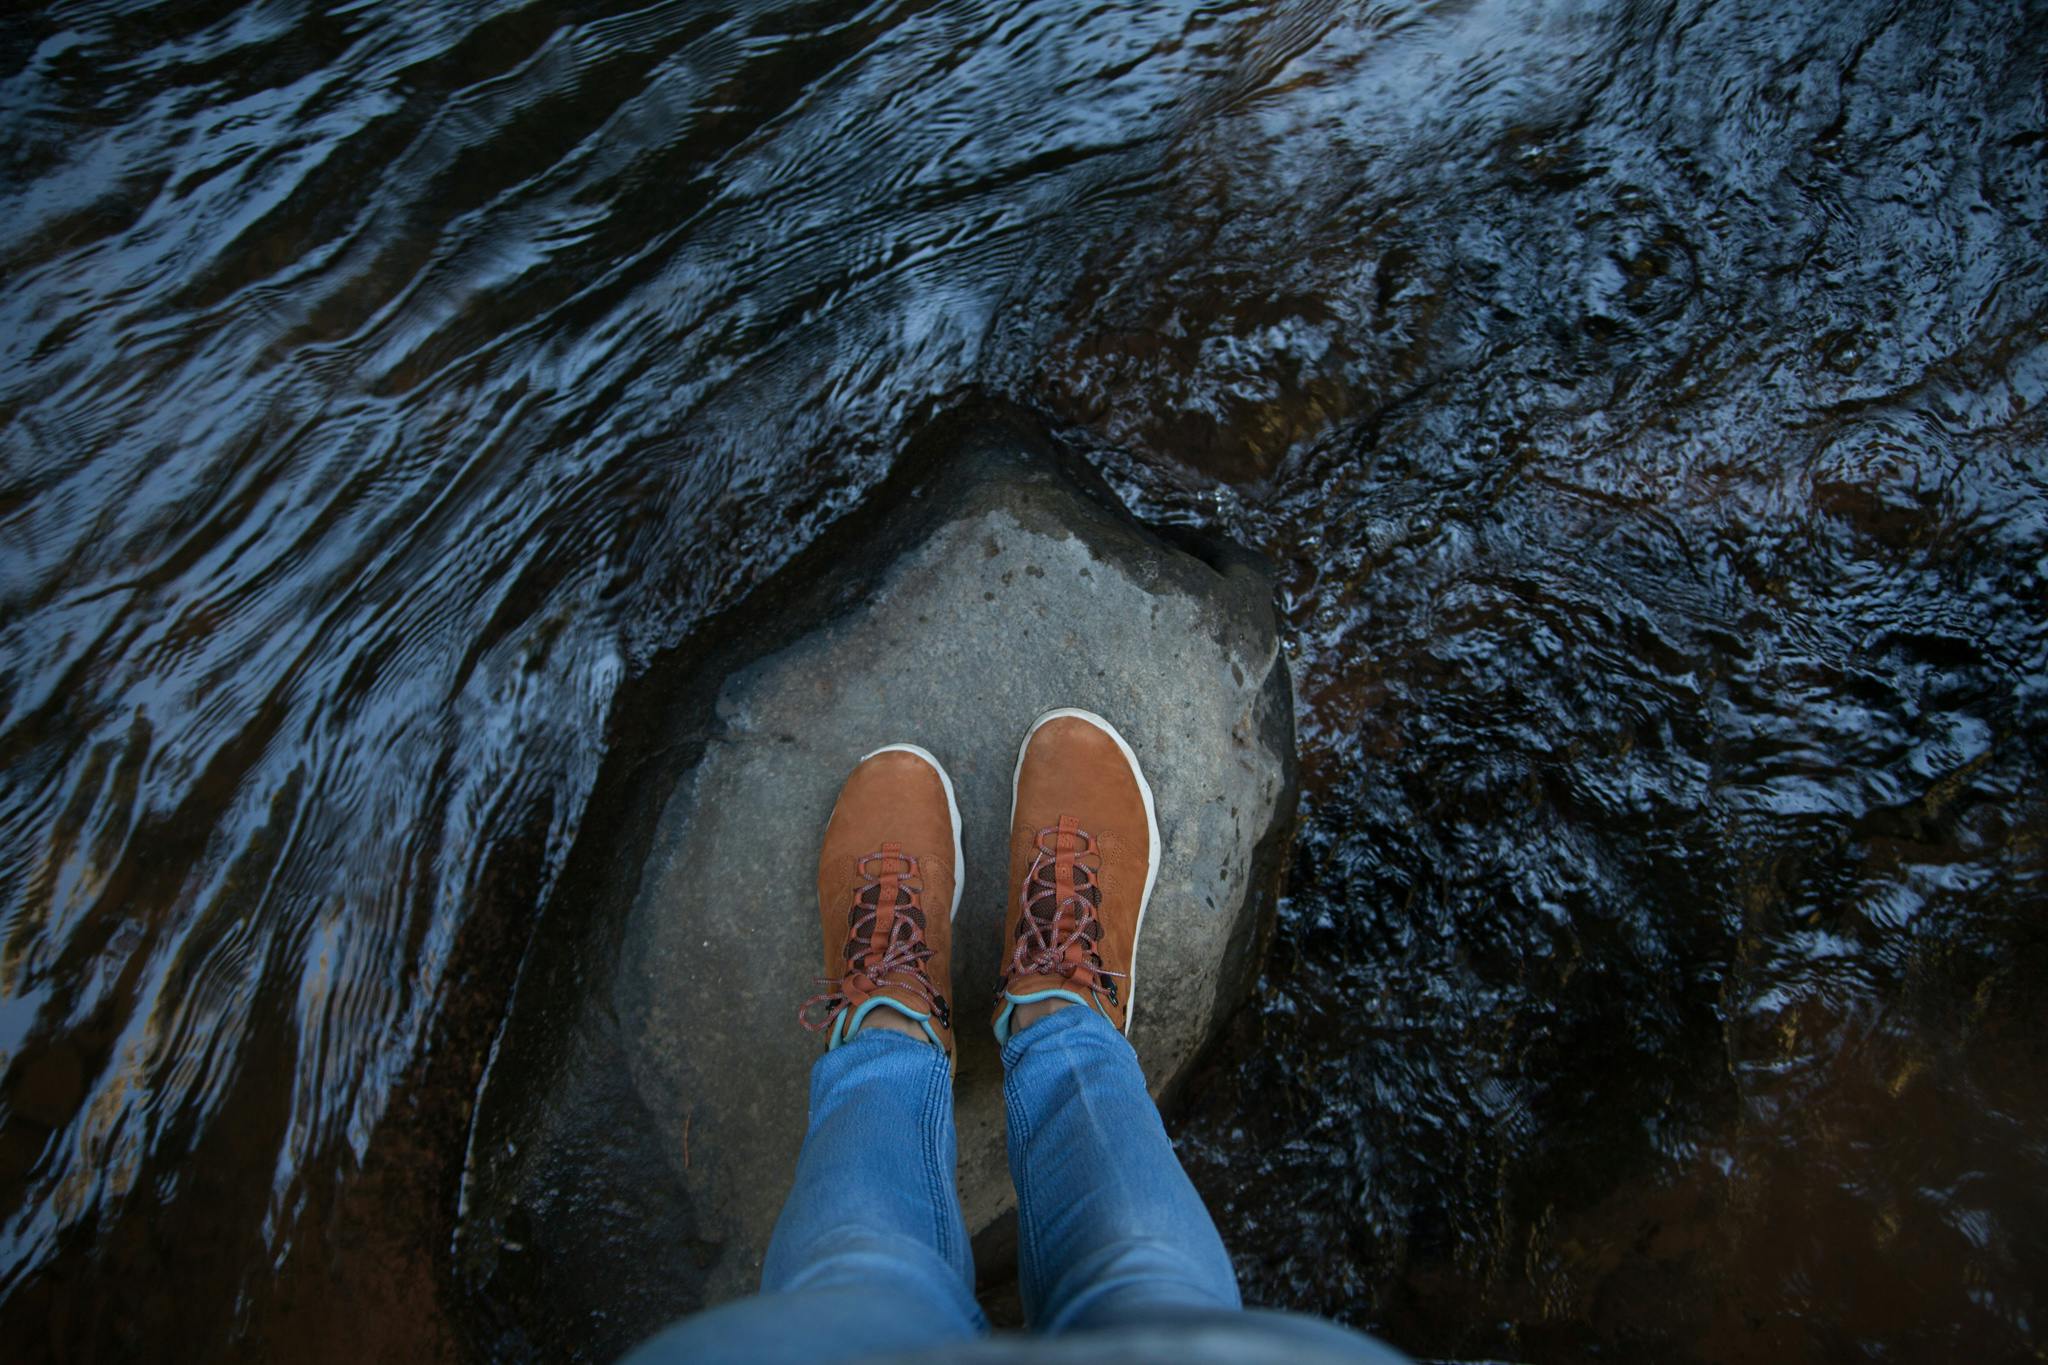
x: 1644, y: 401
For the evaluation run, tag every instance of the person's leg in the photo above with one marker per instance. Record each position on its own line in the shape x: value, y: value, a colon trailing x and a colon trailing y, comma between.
x: 1110, y: 1229
x: 875, y: 1185
x: 1112, y: 1238
x: 1108, y: 1224
x: 870, y: 1254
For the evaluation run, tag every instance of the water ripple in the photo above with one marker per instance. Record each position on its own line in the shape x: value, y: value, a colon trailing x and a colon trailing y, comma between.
x: 1643, y: 403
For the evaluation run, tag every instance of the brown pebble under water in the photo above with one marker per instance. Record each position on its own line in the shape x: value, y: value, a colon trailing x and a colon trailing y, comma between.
x: 1644, y: 405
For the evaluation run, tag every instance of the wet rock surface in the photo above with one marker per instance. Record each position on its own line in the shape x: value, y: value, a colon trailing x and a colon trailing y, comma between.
x: 646, y: 1108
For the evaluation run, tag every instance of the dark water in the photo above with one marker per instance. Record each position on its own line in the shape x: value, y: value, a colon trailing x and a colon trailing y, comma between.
x: 1645, y: 402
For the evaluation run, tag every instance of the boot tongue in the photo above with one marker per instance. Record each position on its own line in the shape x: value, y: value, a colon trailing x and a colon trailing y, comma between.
x: 886, y: 910
x: 1067, y: 842
x: 890, y: 893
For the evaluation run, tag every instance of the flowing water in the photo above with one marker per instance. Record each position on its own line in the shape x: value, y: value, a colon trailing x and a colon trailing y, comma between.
x: 1643, y: 400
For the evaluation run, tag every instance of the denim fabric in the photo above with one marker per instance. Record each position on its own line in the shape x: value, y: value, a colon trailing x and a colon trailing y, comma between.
x: 870, y: 1257
x: 1108, y: 1227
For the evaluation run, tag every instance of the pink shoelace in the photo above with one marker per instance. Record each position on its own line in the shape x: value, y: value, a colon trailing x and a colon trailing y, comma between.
x: 880, y: 952
x: 1059, y: 936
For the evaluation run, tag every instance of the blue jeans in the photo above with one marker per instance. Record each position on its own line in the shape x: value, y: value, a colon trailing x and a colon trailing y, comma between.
x: 870, y: 1256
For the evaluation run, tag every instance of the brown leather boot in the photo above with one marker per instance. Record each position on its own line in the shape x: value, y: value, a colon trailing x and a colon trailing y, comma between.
x: 888, y: 888
x: 1084, y: 852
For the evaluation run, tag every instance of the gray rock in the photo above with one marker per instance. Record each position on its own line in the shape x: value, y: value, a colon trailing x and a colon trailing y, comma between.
x: 643, y: 1115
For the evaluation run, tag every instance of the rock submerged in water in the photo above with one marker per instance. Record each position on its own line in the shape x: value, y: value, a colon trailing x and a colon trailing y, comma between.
x: 645, y: 1105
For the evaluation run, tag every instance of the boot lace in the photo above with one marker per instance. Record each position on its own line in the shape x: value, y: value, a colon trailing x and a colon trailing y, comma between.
x: 885, y: 943
x: 1061, y: 936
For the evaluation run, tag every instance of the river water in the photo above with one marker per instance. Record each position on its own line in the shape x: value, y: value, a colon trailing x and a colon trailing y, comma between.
x: 1645, y: 405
